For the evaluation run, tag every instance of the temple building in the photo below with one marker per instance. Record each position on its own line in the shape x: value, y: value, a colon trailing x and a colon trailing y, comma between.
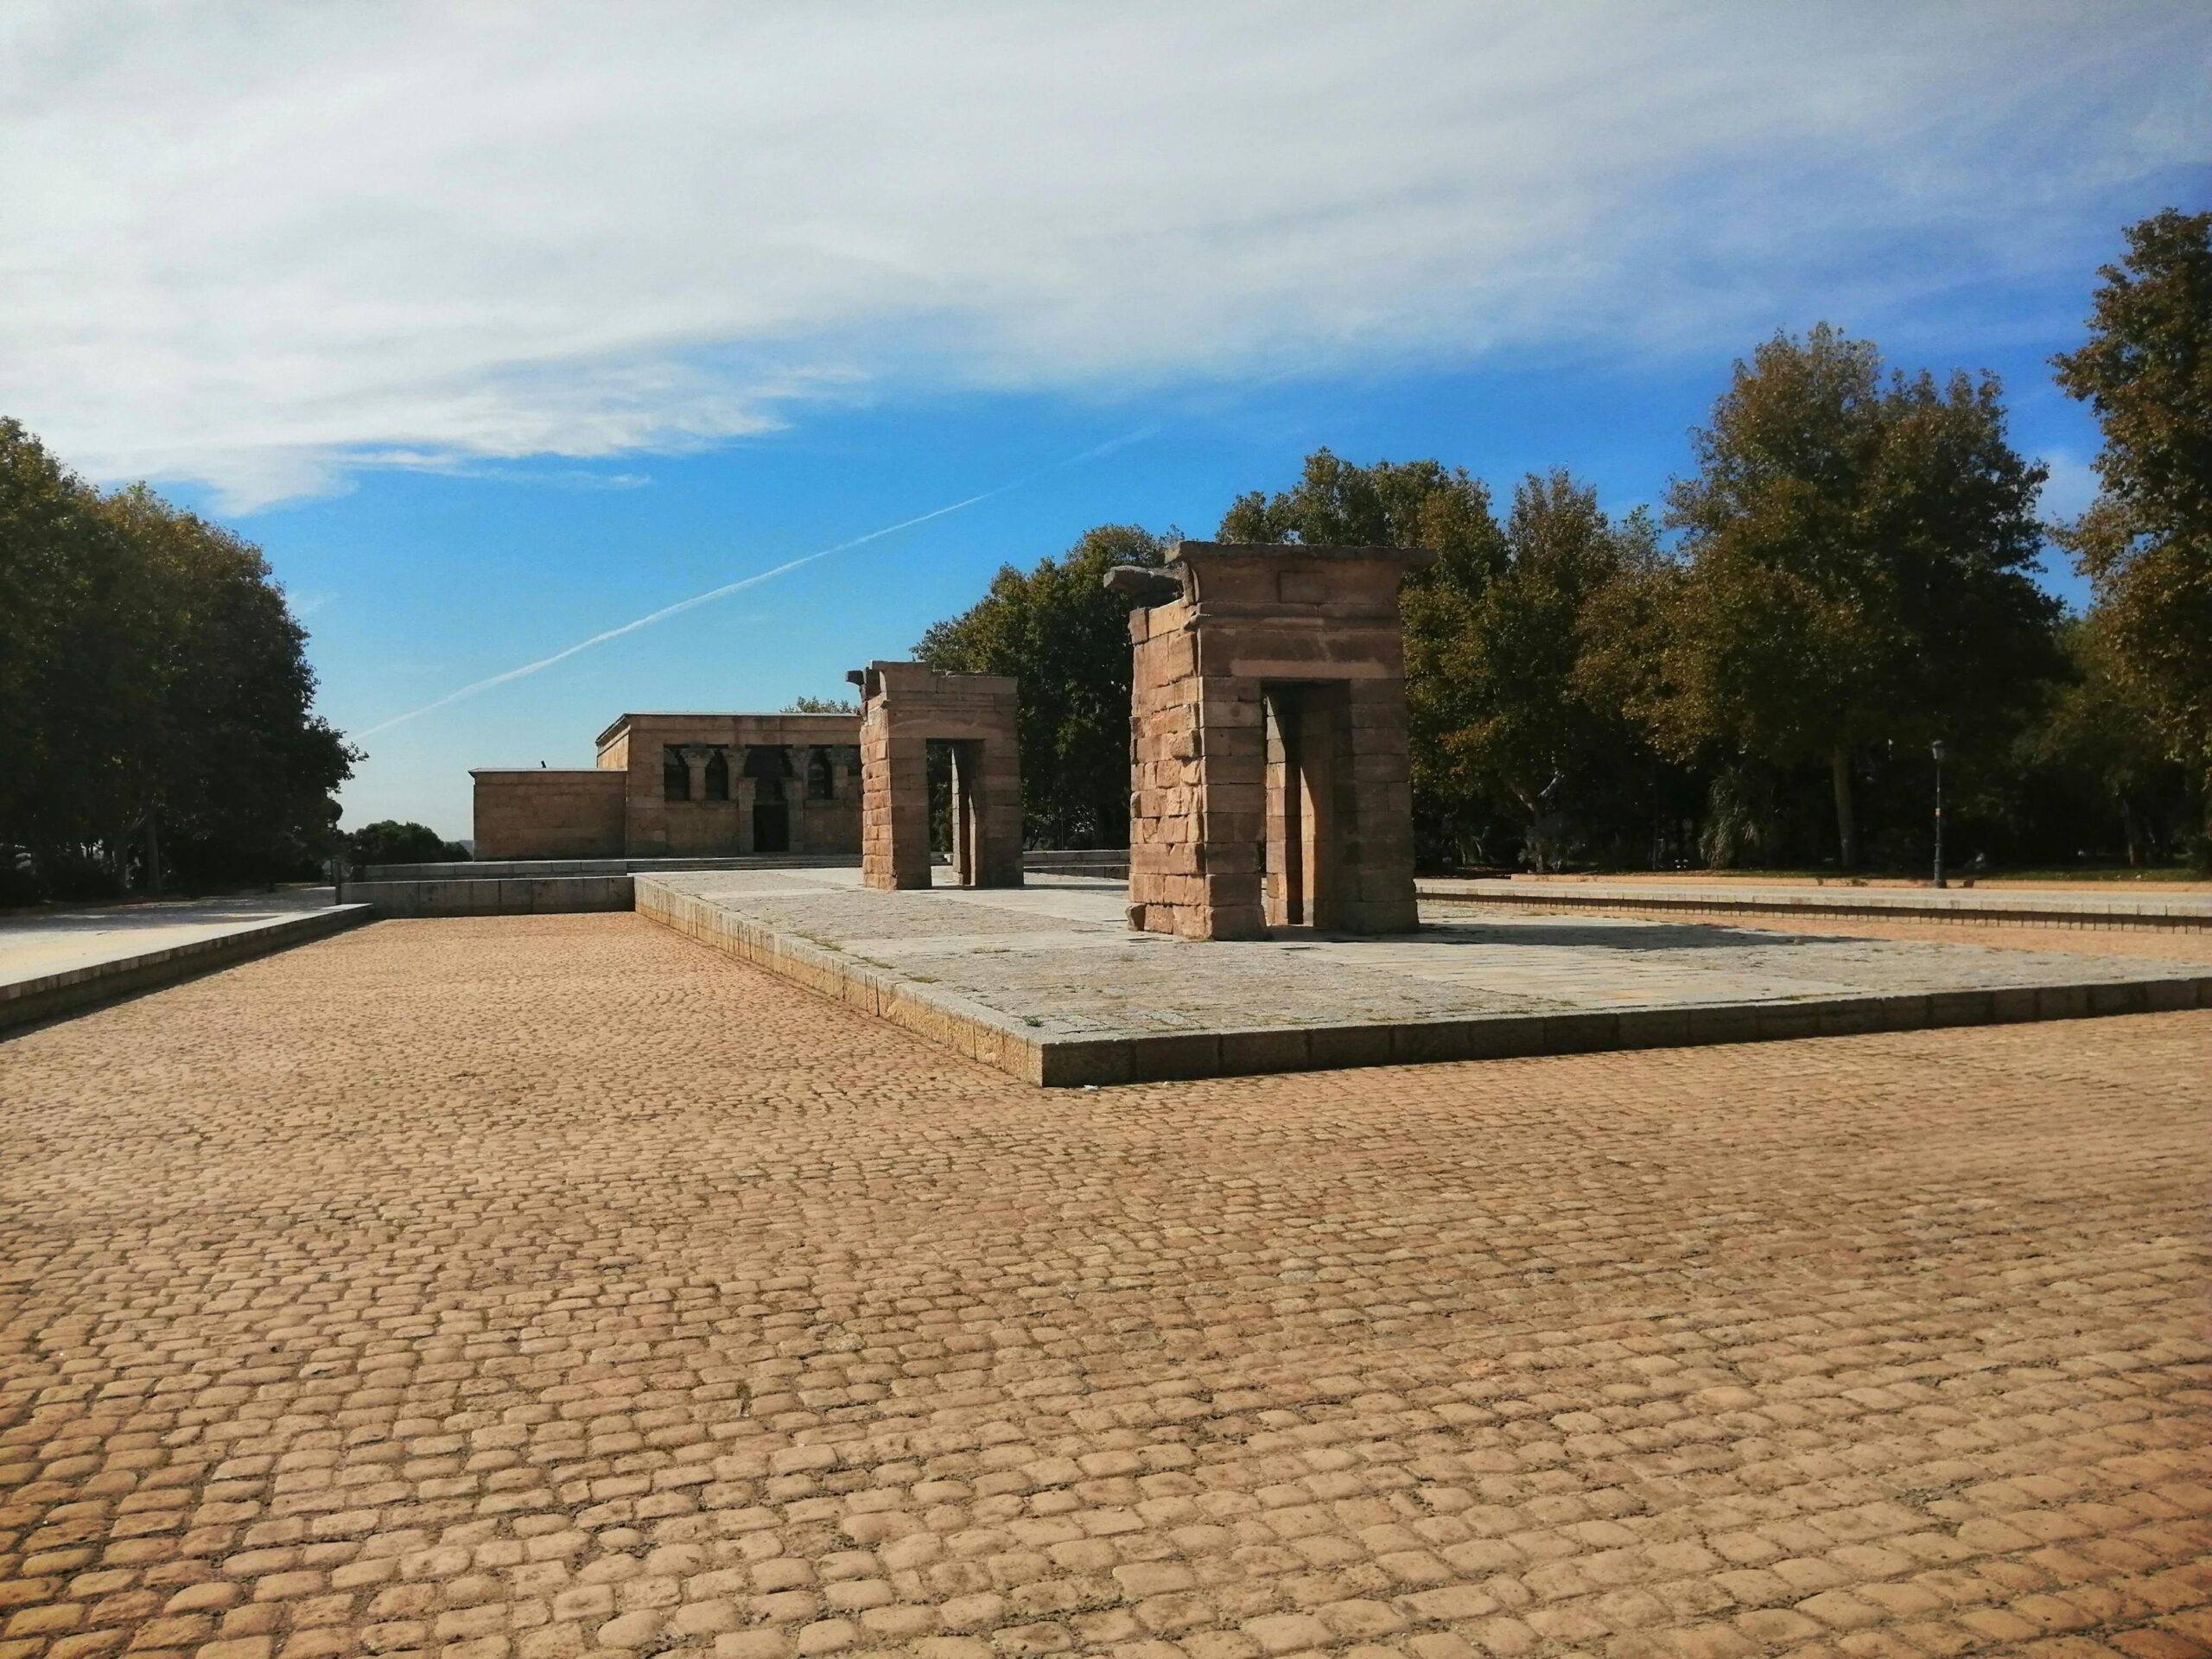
x: 685, y: 786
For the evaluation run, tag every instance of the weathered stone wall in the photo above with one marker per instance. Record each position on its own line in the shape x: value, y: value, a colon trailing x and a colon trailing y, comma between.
x: 541, y: 814
x: 905, y: 707
x: 656, y: 827
x: 1270, y: 778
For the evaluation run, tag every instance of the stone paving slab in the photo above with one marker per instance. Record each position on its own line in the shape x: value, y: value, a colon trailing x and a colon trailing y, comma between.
x: 53, y: 963
x: 1047, y: 983
x: 37, y: 941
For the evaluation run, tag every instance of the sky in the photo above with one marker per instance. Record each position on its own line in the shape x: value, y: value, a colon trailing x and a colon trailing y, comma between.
x: 502, y: 327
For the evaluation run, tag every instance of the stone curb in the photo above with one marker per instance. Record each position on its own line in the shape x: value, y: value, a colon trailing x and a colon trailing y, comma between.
x: 986, y: 1036
x: 78, y: 990
x: 2028, y: 912
x: 544, y: 895
x: 966, y: 1027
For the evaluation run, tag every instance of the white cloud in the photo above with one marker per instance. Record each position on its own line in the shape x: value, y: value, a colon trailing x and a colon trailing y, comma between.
x: 265, y: 245
x: 2070, y: 489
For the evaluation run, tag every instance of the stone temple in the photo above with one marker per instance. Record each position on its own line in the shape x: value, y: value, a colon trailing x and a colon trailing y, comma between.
x: 685, y: 786
x: 1270, y: 775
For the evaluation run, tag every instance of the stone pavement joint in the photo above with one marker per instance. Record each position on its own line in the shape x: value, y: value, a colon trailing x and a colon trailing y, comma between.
x: 535, y: 1288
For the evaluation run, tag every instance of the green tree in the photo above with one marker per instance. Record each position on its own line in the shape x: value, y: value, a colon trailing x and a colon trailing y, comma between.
x: 1856, y: 556
x: 2146, y: 543
x: 155, y: 703
x: 75, y: 644
x: 1507, y: 729
x: 390, y: 840
x: 1500, y: 709
x: 2099, y: 747
x: 1337, y: 503
x: 821, y: 706
x: 1058, y: 631
x: 228, y: 757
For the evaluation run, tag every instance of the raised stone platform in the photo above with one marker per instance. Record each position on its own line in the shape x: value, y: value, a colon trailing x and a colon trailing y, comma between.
x: 538, y: 887
x: 56, y: 962
x: 1047, y: 983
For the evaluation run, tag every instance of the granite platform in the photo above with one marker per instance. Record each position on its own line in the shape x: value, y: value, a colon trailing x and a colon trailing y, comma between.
x: 1047, y: 983
x: 59, y: 962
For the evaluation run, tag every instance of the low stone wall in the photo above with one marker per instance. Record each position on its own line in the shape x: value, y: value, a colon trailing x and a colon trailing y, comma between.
x: 572, y: 813
x: 1107, y: 864
x: 2187, y: 911
x: 550, y: 895
x: 508, y: 870
x: 73, y: 990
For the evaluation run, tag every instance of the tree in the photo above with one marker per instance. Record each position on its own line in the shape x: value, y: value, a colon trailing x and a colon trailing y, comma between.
x: 2146, y: 543
x: 155, y: 702
x: 1336, y: 503
x: 1058, y: 631
x: 389, y: 841
x: 228, y: 754
x: 1503, y: 728
x: 1500, y: 709
x: 2100, y: 750
x: 1855, y: 561
x: 1398, y: 504
x: 821, y: 706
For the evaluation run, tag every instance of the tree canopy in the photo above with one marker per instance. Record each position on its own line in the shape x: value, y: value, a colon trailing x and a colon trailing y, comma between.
x: 1501, y: 726
x: 1058, y: 631
x: 2146, y: 543
x: 392, y: 841
x: 1499, y: 705
x: 155, y: 701
x: 1853, y: 569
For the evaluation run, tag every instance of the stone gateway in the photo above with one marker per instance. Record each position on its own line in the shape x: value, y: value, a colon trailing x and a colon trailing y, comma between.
x: 905, y: 709
x: 1270, y: 778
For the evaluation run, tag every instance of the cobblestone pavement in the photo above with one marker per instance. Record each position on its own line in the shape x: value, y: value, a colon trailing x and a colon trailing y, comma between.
x: 544, y: 1285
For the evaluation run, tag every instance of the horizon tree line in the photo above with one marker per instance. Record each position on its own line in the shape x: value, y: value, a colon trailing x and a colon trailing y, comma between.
x: 1752, y: 676
x: 1757, y: 675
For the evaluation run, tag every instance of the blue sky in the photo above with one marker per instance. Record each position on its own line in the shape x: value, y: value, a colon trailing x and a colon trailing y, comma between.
x: 500, y: 329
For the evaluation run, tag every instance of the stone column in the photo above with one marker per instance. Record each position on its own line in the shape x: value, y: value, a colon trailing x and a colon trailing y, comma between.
x: 696, y: 756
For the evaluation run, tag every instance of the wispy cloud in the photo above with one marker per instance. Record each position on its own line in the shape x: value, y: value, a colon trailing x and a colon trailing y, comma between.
x: 742, y: 583
x: 265, y: 245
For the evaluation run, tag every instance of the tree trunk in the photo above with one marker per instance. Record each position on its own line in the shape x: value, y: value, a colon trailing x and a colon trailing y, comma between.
x: 1846, y: 820
x: 153, y: 856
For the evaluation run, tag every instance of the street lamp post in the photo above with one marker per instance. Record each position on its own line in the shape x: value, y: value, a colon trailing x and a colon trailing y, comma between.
x: 1936, y: 749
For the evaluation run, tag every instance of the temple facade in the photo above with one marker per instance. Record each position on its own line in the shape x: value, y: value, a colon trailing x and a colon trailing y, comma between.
x: 685, y: 786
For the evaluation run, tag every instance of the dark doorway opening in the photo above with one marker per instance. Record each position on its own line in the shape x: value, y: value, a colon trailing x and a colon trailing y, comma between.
x: 768, y: 765
x: 955, y: 767
x: 1301, y: 853
x: 771, y: 817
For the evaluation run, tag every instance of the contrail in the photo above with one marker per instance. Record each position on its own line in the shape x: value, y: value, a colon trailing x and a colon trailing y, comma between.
x: 740, y: 585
